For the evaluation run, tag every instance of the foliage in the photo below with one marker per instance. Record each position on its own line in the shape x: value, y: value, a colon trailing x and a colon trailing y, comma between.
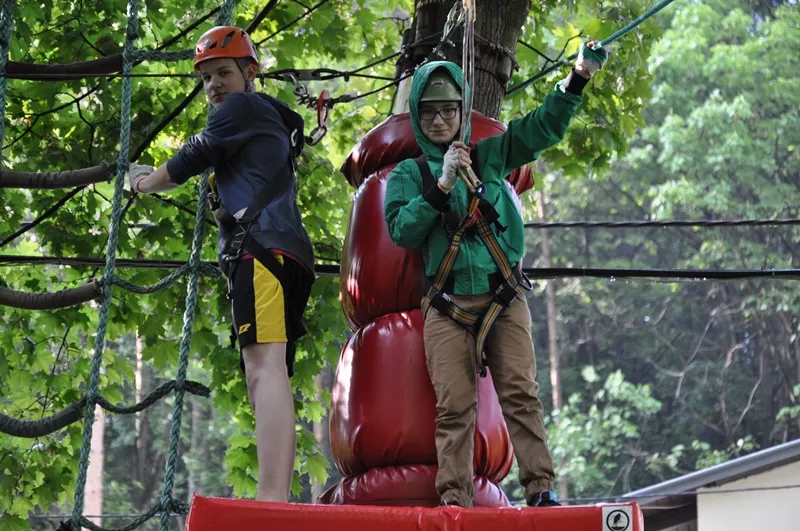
x: 720, y: 142
x: 590, y: 439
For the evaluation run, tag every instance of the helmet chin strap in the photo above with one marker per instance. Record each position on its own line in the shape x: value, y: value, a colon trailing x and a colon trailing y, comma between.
x: 249, y: 85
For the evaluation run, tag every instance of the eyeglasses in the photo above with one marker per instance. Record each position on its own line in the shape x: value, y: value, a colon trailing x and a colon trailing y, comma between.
x: 447, y: 113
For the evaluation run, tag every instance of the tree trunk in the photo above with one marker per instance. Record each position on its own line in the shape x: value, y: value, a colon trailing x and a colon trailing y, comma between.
x: 498, y: 25
x: 142, y: 472
x: 194, y: 448
x: 552, y: 327
x: 93, y: 497
x: 552, y: 311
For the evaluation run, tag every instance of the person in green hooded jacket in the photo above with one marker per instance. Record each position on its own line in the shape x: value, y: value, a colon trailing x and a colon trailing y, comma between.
x: 415, y: 210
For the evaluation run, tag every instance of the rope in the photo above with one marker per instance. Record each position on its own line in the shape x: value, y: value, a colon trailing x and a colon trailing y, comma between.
x: 131, y: 33
x: 605, y: 42
x: 223, y: 19
x: 72, y: 413
x: 165, y: 282
x: 50, y: 301
x: 6, y: 23
x: 467, y: 66
x: 162, y: 507
x: 157, y: 394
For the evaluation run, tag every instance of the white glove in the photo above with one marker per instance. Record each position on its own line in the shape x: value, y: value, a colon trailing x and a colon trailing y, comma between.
x: 137, y: 172
x: 452, y: 160
x: 591, y: 59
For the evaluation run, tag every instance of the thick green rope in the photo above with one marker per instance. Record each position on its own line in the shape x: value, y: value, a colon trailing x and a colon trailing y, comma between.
x: 166, y: 282
x: 223, y: 19
x: 131, y: 33
x: 605, y: 42
x: 6, y: 23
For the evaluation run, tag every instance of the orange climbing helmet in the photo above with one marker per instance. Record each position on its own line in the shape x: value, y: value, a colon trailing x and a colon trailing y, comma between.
x: 224, y: 42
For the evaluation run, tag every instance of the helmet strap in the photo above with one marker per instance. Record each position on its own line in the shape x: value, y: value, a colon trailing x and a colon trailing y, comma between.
x: 249, y: 84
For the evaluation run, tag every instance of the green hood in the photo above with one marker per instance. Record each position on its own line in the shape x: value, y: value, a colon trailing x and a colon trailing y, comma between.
x: 433, y: 151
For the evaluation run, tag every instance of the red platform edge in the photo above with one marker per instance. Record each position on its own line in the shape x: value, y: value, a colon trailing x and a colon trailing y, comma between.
x: 207, y: 514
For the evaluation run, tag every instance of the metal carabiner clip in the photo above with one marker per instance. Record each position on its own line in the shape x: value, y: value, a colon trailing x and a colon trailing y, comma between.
x: 323, y: 112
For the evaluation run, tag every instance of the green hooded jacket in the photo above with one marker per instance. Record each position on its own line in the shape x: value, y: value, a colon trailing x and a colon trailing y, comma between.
x: 412, y: 216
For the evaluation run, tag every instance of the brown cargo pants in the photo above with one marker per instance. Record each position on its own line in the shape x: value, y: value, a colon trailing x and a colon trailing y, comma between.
x: 451, y: 364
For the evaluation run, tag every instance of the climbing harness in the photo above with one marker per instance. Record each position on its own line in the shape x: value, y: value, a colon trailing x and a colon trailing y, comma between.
x: 238, y: 224
x: 506, y: 284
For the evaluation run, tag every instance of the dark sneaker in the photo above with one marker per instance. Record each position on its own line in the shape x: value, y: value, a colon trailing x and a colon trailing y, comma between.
x: 546, y: 498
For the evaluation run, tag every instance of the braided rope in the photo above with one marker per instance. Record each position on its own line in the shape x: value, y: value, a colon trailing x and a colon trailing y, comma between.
x: 467, y: 66
x: 131, y: 33
x: 72, y: 413
x: 171, y: 506
x: 204, y: 269
x: 223, y: 19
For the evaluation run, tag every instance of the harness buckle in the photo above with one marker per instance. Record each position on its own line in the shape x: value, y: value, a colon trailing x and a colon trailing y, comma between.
x: 213, y: 202
x: 507, y: 291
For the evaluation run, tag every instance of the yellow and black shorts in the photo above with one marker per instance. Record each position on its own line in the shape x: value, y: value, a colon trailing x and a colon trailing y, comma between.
x: 266, y: 311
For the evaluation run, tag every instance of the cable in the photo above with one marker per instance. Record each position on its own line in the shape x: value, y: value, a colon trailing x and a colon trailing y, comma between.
x: 293, y: 22
x: 540, y: 273
x: 621, y: 498
x: 613, y: 37
x: 103, y: 516
x: 332, y: 74
x: 128, y: 263
x: 664, y: 223
x: 347, y: 98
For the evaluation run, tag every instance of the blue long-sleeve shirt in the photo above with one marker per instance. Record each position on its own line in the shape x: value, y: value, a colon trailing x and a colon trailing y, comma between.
x: 247, y: 144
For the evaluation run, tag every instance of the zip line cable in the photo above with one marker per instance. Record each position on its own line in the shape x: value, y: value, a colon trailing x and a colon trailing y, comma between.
x: 605, y: 42
x: 541, y: 273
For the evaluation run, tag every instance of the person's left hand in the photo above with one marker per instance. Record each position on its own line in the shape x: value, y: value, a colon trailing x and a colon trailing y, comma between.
x: 591, y: 59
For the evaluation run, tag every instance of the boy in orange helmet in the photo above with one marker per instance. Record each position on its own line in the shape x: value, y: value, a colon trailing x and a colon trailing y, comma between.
x: 251, y: 142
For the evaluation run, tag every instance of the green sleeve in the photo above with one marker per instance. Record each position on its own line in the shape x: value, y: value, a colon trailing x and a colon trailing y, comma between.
x: 526, y: 137
x: 408, y: 214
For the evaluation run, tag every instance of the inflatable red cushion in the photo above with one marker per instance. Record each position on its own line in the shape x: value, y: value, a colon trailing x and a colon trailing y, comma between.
x: 404, y: 486
x: 377, y: 276
x: 383, y: 407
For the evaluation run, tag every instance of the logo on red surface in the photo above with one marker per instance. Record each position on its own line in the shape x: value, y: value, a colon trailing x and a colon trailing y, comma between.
x: 618, y: 520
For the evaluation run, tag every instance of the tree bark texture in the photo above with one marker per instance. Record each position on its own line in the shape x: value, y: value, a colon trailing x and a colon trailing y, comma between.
x: 498, y: 25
